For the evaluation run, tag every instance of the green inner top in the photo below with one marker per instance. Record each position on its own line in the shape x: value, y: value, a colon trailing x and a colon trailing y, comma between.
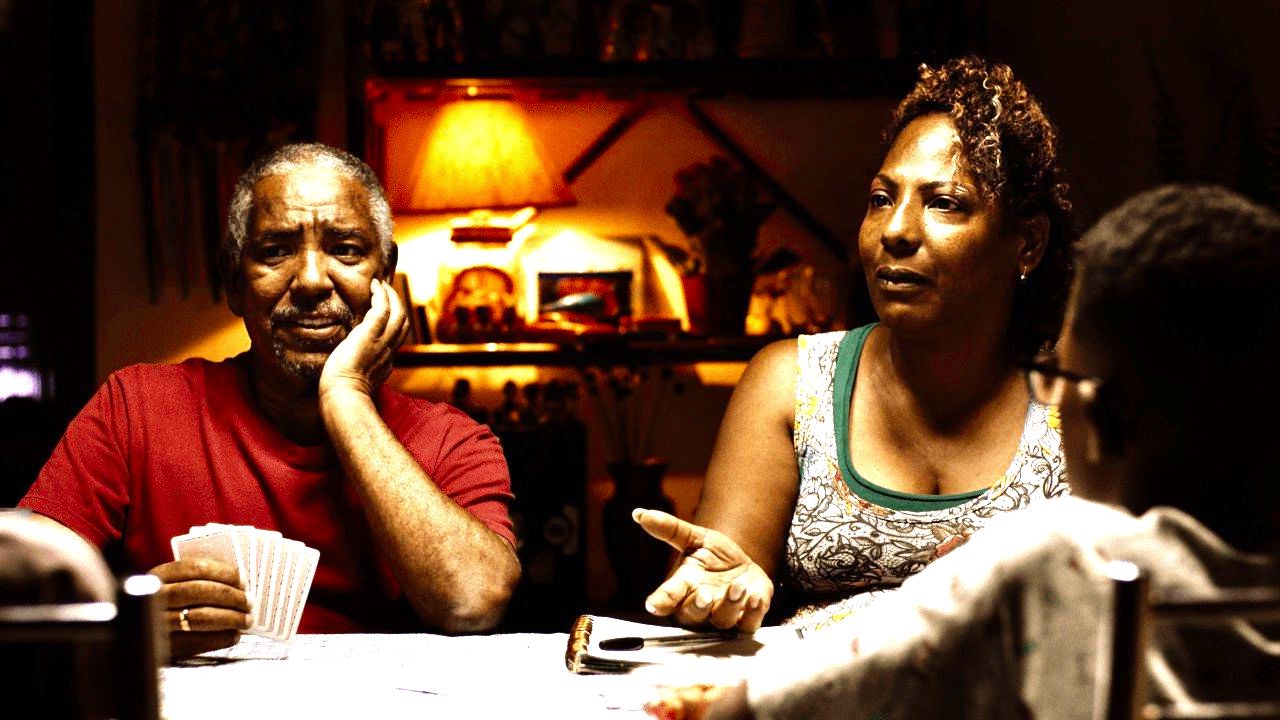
x: 847, y: 358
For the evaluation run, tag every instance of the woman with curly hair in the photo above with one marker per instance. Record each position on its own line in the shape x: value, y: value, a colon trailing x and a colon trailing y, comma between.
x: 1020, y: 621
x: 849, y: 461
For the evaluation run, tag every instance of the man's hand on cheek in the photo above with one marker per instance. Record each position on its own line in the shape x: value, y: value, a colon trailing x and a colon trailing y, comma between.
x: 362, y: 361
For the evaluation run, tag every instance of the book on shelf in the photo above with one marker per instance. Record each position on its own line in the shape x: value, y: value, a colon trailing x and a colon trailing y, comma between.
x: 418, y: 330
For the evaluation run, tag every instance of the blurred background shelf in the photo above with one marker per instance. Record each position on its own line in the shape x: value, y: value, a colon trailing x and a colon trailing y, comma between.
x: 752, y: 77
x: 597, y: 353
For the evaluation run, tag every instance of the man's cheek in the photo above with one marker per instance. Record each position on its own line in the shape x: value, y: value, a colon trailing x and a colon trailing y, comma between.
x: 358, y: 314
x: 360, y: 309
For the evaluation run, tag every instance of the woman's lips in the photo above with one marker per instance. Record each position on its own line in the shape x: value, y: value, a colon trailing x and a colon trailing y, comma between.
x: 899, y: 278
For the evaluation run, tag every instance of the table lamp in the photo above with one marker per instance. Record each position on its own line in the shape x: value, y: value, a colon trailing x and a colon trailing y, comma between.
x: 479, y: 159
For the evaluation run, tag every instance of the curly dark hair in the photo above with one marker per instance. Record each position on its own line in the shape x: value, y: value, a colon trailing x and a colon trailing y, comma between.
x: 1012, y: 150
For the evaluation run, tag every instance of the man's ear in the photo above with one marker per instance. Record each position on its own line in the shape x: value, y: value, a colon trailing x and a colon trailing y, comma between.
x: 1033, y: 239
x: 389, y: 268
x: 231, y: 283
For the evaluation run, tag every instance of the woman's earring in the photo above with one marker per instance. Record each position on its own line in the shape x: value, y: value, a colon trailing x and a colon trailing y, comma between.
x: 1022, y: 275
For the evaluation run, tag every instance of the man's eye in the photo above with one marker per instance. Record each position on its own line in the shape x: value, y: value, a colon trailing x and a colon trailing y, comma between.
x: 347, y: 250
x: 272, y: 252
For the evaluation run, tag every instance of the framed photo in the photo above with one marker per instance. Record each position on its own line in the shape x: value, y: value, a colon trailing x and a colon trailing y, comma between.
x: 595, y: 296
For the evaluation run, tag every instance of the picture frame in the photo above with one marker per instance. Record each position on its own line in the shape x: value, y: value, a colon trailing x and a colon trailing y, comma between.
x: 603, y: 297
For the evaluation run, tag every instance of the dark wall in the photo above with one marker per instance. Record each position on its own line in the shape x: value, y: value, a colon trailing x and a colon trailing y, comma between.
x: 46, y: 200
x: 1143, y: 92
x: 1151, y: 91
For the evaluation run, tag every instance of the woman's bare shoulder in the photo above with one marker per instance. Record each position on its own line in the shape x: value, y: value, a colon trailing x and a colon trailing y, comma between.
x: 775, y: 361
x: 770, y: 378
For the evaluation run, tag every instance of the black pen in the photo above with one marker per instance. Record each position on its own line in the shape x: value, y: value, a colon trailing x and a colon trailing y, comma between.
x: 635, y: 643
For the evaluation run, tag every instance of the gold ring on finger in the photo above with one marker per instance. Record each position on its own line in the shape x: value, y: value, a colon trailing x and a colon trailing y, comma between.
x: 182, y: 620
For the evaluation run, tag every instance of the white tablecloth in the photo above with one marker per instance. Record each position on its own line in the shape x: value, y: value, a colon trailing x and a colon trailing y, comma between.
x: 391, y: 676
x: 437, y: 676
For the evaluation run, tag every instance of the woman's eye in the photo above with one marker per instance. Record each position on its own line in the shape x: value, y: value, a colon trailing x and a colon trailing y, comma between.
x: 945, y: 204
x: 879, y: 200
x: 347, y: 251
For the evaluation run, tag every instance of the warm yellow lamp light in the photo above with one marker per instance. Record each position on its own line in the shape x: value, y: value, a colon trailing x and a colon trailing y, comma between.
x: 480, y: 156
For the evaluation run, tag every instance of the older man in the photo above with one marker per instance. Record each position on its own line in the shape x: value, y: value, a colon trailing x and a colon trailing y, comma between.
x: 406, y: 500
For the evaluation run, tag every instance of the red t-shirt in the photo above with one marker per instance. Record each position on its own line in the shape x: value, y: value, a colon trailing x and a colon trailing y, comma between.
x: 162, y: 448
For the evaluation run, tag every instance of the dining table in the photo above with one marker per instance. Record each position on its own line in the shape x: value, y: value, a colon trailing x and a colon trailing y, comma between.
x: 397, y: 676
x: 504, y: 675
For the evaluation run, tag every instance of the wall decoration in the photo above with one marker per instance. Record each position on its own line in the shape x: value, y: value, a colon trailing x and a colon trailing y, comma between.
x: 598, y: 296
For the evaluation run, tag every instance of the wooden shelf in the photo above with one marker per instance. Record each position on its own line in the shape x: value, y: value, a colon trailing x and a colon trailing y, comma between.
x: 761, y: 77
x: 620, y: 352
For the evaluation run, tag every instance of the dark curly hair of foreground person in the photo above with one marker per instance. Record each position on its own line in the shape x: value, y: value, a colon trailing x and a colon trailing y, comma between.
x: 1012, y: 150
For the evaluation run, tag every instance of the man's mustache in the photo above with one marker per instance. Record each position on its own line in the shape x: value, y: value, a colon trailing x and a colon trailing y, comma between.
x: 337, y: 312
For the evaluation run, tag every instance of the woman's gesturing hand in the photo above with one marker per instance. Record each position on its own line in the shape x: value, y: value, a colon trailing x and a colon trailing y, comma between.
x: 715, y: 581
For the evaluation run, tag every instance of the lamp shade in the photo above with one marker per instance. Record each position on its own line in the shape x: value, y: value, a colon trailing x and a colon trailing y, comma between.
x: 480, y: 155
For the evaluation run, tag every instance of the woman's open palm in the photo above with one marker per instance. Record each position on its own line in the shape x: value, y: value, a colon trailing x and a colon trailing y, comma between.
x: 716, y: 580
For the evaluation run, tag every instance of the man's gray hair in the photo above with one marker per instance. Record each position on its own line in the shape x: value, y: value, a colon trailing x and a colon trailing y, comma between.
x: 291, y: 158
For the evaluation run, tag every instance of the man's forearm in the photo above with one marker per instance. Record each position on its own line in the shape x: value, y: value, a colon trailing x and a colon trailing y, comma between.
x: 457, y: 573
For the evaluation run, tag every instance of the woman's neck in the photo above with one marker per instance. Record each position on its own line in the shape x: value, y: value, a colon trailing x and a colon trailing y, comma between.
x: 950, y: 375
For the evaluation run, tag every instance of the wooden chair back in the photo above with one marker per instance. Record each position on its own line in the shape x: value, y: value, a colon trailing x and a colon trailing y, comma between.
x: 1137, y: 613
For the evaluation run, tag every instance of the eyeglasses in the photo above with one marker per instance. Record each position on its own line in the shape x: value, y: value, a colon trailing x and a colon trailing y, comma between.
x: 1047, y: 382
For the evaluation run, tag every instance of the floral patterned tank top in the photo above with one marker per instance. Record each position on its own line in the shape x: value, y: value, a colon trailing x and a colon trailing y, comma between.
x: 842, y: 548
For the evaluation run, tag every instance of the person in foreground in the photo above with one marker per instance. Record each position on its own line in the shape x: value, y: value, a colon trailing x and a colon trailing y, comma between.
x: 846, y: 462
x: 41, y: 563
x: 406, y: 500
x: 1174, y: 322
x: 44, y: 564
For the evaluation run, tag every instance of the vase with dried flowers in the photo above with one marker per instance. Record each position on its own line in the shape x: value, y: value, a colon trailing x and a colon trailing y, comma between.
x: 720, y: 208
x: 632, y: 404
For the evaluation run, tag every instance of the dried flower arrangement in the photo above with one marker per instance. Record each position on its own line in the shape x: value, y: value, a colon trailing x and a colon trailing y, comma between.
x: 719, y: 207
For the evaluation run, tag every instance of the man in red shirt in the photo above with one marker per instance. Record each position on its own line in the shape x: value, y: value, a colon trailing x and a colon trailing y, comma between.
x: 406, y: 500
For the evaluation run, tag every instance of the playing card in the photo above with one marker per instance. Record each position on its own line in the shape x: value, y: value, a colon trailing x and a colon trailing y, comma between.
x: 220, y: 545
x: 264, y: 545
x: 280, y: 588
x: 277, y: 572
x: 304, y: 573
x: 248, y: 537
